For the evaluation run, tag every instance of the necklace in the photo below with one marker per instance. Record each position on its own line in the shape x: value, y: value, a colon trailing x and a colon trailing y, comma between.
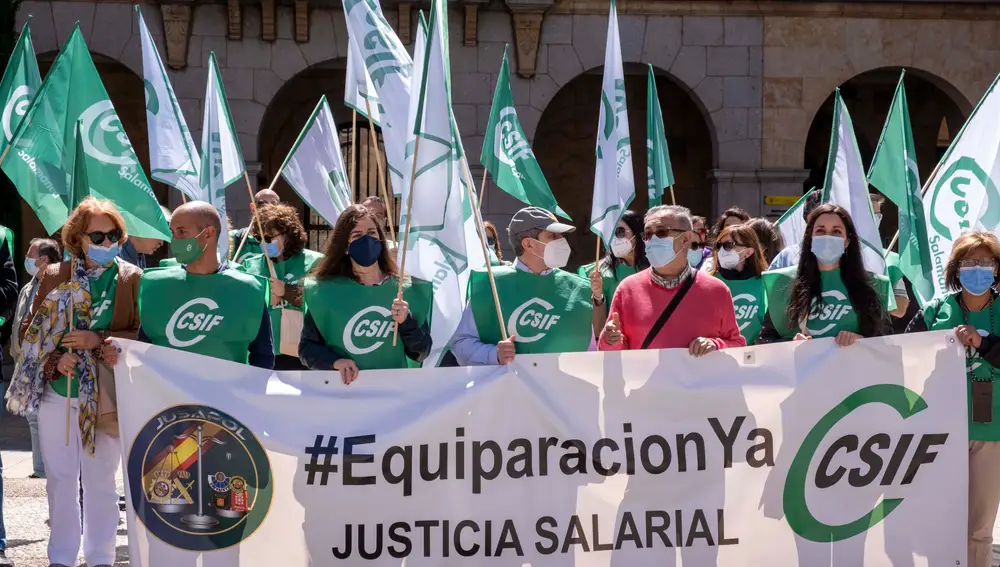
x: 968, y: 350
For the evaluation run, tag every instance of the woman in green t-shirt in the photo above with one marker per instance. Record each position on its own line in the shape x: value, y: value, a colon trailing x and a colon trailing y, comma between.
x: 829, y: 293
x: 352, y: 304
x: 973, y: 312
x: 627, y: 257
x: 738, y: 261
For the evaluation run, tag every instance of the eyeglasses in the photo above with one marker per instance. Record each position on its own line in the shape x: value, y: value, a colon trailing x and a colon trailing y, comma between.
x: 984, y: 263
x: 98, y: 237
x: 663, y: 233
x: 622, y: 232
x: 728, y: 245
x: 269, y: 239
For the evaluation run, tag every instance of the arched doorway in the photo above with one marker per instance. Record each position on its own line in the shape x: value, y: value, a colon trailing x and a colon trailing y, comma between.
x: 937, y: 113
x: 567, y: 133
x: 283, y: 121
x: 128, y: 96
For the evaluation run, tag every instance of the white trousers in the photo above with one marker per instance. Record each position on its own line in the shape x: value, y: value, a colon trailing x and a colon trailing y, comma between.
x: 65, y: 467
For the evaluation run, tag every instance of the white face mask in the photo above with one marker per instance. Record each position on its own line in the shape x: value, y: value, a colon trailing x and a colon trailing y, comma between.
x: 729, y: 259
x: 620, y: 247
x: 556, y: 253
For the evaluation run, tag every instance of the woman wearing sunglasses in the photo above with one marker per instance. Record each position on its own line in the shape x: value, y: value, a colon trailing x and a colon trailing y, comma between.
x: 627, y: 256
x: 739, y: 262
x: 94, y: 294
x: 284, y: 242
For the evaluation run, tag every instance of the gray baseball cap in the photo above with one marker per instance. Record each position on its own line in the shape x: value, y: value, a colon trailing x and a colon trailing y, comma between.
x: 534, y: 218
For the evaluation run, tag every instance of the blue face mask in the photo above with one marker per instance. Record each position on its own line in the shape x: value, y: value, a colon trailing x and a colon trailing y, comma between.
x: 827, y: 249
x: 660, y: 251
x: 976, y: 280
x: 365, y: 251
x: 101, y: 255
x: 30, y: 266
x: 271, y: 249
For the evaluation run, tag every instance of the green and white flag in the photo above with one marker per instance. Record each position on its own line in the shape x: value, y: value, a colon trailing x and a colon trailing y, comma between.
x: 40, y: 162
x: 358, y: 87
x: 173, y: 157
x: 791, y: 224
x: 19, y: 84
x: 389, y: 65
x: 963, y: 193
x: 614, y: 186
x: 221, y: 157
x: 659, y: 172
x: 847, y: 186
x: 80, y: 187
x: 315, y: 167
x: 441, y: 246
x: 507, y: 154
x: 894, y: 173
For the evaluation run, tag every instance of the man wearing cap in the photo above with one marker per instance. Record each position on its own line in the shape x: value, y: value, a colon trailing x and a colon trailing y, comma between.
x: 545, y: 309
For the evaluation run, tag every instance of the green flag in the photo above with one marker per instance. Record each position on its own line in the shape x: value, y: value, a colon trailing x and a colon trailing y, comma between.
x: 659, y: 172
x: 40, y: 160
x: 19, y: 84
x: 80, y: 188
x: 507, y: 155
x: 894, y: 173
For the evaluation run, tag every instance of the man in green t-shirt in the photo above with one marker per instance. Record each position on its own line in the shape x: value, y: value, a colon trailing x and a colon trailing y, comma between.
x: 544, y: 309
x: 202, y: 306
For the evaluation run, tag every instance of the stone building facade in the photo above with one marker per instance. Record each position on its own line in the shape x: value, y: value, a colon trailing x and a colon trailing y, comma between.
x: 745, y: 86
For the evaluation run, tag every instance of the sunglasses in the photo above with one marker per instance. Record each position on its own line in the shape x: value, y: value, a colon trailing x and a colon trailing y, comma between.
x: 269, y: 239
x: 727, y: 246
x: 98, y: 237
x: 663, y: 233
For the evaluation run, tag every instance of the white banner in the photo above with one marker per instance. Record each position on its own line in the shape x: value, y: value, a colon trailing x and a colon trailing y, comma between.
x: 791, y: 454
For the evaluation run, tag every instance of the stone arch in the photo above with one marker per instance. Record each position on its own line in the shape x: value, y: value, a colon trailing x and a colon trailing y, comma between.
x: 567, y: 130
x: 937, y: 113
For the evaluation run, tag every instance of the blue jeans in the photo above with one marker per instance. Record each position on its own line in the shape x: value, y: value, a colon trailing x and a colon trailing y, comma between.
x: 37, y: 465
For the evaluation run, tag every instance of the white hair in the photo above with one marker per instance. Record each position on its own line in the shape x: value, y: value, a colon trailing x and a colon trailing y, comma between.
x: 676, y: 211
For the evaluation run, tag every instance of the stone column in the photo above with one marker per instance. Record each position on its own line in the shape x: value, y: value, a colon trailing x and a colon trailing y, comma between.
x: 749, y: 189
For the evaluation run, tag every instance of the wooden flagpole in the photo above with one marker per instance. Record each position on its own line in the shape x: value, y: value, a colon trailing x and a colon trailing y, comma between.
x: 480, y: 230
x: 406, y: 231
x: 482, y: 187
x: 598, y: 261
x: 354, y: 150
x: 673, y: 199
x: 381, y: 171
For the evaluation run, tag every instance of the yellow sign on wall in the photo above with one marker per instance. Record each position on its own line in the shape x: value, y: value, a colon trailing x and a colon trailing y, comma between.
x: 781, y: 200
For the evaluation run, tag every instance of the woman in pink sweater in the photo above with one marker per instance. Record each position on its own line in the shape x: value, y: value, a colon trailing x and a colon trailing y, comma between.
x: 702, y: 321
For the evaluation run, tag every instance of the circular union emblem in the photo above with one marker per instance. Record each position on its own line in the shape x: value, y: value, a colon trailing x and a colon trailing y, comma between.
x: 206, y: 481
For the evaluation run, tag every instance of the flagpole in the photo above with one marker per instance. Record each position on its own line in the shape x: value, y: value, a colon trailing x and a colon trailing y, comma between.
x: 354, y: 136
x: 923, y: 190
x: 381, y: 171
x: 69, y: 379
x: 673, y: 199
x: 477, y: 216
x: 406, y: 232
x: 598, y: 261
x: 260, y: 227
x: 5, y: 150
x: 482, y: 187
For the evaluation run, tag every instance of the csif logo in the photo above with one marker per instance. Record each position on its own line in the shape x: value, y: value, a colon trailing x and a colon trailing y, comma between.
x: 104, y: 137
x: 529, y: 323
x: 886, y: 460
x: 745, y: 305
x: 374, y: 329
x: 613, y: 110
x: 17, y: 105
x: 964, y: 196
x: 832, y: 312
x: 510, y: 145
x: 190, y: 324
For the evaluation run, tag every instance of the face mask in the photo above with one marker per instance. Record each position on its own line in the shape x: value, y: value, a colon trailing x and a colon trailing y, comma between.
x: 976, y: 280
x: 30, y: 267
x: 695, y: 257
x: 365, y: 250
x: 660, y: 251
x: 556, y: 253
x: 620, y: 247
x: 101, y: 255
x: 186, y: 250
x: 827, y: 249
x: 878, y: 219
x: 729, y: 259
x: 271, y: 249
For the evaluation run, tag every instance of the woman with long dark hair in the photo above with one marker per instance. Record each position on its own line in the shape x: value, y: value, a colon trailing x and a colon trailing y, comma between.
x: 352, y: 305
x: 739, y: 262
x: 829, y: 293
x: 627, y: 257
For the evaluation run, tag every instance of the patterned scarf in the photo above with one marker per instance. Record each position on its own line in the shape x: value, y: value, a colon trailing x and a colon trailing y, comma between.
x: 44, y: 335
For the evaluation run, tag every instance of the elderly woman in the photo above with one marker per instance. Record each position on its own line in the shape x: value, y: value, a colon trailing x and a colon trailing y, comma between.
x: 285, y: 244
x: 973, y: 312
x: 80, y: 304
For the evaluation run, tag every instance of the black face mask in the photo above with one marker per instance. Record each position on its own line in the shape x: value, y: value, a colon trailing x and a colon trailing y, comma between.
x: 365, y: 251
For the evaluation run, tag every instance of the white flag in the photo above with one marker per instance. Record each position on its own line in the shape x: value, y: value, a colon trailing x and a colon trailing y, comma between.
x: 614, y: 187
x: 173, y: 157
x: 358, y: 87
x: 221, y: 157
x: 792, y: 224
x: 963, y: 193
x: 315, y: 167
x: 847, y: 185
x: 442, y: 226
x: 389, y: 67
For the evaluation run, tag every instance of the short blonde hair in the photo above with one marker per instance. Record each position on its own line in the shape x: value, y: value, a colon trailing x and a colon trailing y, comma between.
x: 76, y: 226
x: 964, y: 246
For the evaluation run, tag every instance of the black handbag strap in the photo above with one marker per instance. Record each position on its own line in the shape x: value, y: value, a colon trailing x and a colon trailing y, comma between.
x: 669, y: 309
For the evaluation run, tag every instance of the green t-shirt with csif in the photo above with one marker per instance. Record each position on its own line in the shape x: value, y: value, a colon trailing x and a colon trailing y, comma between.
x: 216, y: 315
x: 749, y: 303
x: 291, y: 271
x: 545, y: 313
